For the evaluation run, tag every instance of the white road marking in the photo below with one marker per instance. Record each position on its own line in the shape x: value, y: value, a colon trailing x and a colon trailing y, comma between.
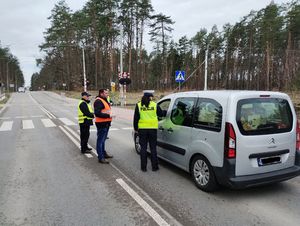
x: 67, y: 122
x: 27, y: 124
x: 36, y: 116
x: 71, y: 138
x: 156, y: 217
x: 47, y: 122
x: 21, y: 117
x: 88, y: 155
x: 127, y: 128
x: 174, y: 221
x: 113, y: 129
x: 74, y: 133
x: 6, y: 126
x: 5, y: 118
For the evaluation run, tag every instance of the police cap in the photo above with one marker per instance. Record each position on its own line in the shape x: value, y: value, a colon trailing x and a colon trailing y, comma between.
x: 148, y: 93
x: 85, y: 94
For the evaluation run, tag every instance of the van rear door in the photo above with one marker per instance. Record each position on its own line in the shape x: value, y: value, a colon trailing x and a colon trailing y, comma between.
x: 266, y: 136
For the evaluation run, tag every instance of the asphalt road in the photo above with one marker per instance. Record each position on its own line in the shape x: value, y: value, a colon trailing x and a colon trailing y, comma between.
x: 46, y: 181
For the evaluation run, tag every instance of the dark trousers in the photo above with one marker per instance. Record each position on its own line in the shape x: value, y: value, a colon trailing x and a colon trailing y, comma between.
x: 84, y: 136
x: 148, y: 135
x: 101, y: 137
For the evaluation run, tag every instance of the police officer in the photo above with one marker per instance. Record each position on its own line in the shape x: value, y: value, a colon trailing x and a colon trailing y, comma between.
x: 85, y: 120
x: 145, y: 123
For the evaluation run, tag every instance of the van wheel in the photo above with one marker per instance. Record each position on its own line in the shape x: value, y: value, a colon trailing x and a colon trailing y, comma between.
x: 203, y: 174
x: 137, y: 145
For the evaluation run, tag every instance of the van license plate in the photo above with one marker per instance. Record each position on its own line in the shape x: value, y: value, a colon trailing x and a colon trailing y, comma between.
x: 268, y: 161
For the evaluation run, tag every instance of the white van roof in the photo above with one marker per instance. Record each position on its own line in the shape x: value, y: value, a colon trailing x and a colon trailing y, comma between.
x: 229, y: 93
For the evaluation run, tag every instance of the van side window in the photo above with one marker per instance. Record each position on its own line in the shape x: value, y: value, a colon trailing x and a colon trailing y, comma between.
x: 182, y: 111
x: 164, y: 106
x: 208, y: 115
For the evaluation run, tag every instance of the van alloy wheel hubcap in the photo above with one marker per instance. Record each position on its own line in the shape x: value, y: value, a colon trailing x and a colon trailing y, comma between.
x: 201, y: 172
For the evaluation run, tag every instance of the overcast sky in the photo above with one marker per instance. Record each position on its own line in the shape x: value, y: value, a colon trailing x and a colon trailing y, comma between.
x: 22, y: 22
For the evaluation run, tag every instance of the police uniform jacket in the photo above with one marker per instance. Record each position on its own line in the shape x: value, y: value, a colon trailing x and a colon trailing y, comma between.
x: 86, y: 112
x: 136, y: 117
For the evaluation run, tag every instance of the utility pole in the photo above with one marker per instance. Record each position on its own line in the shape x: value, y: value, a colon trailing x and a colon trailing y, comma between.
x: 205, y: 74
x: 121, y: 67
x: 7, y: 85
x: 83, y: 65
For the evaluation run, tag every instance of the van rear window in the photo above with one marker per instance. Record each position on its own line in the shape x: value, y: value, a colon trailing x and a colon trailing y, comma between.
x: 264, y: 116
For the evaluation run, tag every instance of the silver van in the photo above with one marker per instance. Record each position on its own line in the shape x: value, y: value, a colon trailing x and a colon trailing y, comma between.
x: 233, y: 138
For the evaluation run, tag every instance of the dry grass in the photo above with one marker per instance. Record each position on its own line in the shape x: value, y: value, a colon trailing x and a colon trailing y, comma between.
x: 131, y: 97
x: 2, y: 102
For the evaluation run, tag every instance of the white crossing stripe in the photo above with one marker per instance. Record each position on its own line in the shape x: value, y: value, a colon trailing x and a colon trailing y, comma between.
x: 27, y: 124
x: 112, y: 129
x: 47, y: 122
x: 6, y: 126
x: 36, y: 116
x: 5, y: 118
x: 67, y: 122
x: 127, y: 128
x: 21, y: 116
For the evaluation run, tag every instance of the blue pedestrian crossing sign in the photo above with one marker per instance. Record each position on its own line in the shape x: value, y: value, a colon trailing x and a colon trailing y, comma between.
x: 179, y: 76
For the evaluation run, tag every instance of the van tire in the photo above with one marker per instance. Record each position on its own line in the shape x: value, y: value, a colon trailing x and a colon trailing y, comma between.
x: 137, y: 145
x: 203, y: 174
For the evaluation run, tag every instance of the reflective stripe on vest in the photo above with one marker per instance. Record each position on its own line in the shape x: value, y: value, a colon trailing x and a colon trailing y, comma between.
x: 148, y: 118
x: 81, y: 117
x: 106, y: 110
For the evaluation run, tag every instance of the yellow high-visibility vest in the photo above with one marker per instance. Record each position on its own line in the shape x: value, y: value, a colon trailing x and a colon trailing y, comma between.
x: 148, y: 116
x: 81, y: 117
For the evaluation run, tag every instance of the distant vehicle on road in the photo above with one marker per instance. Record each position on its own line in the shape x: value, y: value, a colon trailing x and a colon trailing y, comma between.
x: 21, y: 89
x: 234, y: 138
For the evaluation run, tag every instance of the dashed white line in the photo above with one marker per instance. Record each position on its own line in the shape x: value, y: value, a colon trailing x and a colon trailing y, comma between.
x: 27, y: 124
x: 6, y: 126
x: 156, y: 217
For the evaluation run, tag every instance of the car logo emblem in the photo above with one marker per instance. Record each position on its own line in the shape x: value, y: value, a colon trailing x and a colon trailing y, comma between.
x: 272, y: 141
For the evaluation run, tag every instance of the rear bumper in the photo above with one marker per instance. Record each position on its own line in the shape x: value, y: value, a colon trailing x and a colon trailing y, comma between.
x: 226, y: 176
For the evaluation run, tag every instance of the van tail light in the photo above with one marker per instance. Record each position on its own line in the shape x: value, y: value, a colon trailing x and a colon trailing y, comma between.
x: 230, y: 141
x: 298, y: 136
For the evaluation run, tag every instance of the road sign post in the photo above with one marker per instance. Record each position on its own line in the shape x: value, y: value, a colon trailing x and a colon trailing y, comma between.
x: 179, y: 77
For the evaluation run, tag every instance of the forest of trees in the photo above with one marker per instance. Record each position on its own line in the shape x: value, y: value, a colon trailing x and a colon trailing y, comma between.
x: 261, y: 51
x: 10, y: 71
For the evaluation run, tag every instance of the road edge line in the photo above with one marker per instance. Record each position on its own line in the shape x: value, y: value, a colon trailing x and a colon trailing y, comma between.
x: 152, y: 213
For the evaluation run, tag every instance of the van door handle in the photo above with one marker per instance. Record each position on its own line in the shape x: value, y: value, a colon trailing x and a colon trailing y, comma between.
x: 170, y: 130
x: 161, y: 128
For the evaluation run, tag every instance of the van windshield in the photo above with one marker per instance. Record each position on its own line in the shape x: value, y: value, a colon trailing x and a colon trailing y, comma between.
x: 264, y: 116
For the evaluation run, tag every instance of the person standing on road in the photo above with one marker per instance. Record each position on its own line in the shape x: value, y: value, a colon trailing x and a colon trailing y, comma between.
x: 85, y: 120
x: 110, y: 103
x: 145, y: 123
x: 103, y: 120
